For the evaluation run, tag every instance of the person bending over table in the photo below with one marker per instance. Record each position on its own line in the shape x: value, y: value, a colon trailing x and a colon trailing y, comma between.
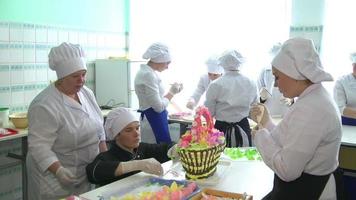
x: 126, y: 155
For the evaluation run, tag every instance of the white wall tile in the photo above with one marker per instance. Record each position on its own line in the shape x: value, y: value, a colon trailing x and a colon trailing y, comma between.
x: 5, y: 96
x: 42, y: 53
x: 16, y: 32
x: 73, y: 37
x: 15, y: 53
x: 17, y: 95
x: 51, y: 75
x: 41, y: 34
x: 29, y: 54
x: 30, y: 93
x: 92, y: 39
x: 41, y: 73
x: 17, y: 75
x: 29, y: 73
x: 83, y: 38
x: 4, y: 53
x: 4, y: 31
x: 29, y: 33
x: 52, y: 35
x: 63, y: 35
x: 4, y: 75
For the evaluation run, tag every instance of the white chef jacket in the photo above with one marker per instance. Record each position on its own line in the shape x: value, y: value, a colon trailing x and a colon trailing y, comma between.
x: 229, y: 97
x: 203, y: 84
x: 150, y: 92
x: 345, y: 92
x: 61, y: 129
x: 275, y: 106
x: 306, y: 140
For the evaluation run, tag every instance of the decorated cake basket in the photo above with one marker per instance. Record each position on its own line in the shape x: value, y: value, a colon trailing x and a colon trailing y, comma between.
x: 200, y: 148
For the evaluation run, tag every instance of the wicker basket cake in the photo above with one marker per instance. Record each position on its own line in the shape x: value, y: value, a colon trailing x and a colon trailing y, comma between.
x: 200, y: 148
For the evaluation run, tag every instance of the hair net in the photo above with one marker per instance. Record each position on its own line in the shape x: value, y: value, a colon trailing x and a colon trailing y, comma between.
x: 299, y: 60
x: 275, y: 49
x: 231, y: 60
x: 353, y: 57
x: 157, y: 53
x: 213, y: 65
x: 117, y: 120
x: 66, y: 59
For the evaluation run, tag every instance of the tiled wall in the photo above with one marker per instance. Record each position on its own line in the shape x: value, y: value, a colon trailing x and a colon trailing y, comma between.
x: 24, y: 49
x: 311, y: 32
x: 24, y: 72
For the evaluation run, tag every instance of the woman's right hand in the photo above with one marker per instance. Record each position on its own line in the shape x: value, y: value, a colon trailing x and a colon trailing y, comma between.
x: 66, y: 177
x: 176, y: 88
x: 259, y: 113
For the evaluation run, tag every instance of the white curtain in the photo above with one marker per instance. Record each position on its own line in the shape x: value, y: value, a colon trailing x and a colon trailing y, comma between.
x: 339, y: 38
x: 196, y: 29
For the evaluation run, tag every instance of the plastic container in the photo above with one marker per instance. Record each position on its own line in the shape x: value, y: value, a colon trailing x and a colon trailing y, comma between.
x: 19, y: 120
x: 4, y: 116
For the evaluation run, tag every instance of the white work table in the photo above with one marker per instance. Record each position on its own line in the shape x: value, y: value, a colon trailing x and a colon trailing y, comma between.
x: 252, y: 177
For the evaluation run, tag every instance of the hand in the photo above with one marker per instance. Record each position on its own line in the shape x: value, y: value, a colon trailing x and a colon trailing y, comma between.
x: 286, y: 101
x: 191, y: 104
x: 172, y: 153
x: 150, y: 165
x: 65, y: 177
x: 264, y: 94
x: 176, y: 88
x: 259, y: 113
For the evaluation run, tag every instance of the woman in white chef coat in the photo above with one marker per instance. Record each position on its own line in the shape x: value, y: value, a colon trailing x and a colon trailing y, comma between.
x: 269, y: 93
x: 229, y: 98
x: 303, y: 148
x: 151, y: 95
x: 65, y: 129
x: 214, y: 72
x: 345, y: 94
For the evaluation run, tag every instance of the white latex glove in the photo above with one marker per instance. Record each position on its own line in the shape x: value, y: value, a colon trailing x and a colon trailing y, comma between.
x: 191, y: 104
x: 259, y: 113
x: 150, y: 165
x: 264, y: 94
x: 286, y: 101
x: 65, y: 177
x: 176, y: 88
x: 172, y: 153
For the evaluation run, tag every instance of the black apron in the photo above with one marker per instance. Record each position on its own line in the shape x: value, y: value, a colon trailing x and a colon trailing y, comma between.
x: 228, y: 127
x: 306, y: 187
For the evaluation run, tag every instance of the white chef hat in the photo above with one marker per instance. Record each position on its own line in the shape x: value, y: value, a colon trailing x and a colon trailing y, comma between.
x: 157, y: 53
x: 66, y: 59
x: 117, y: 120
x: 213, y: 65
x: 353, y: 57
x: 275, y: 49
x: 231, y: 60
x: 299, y: 60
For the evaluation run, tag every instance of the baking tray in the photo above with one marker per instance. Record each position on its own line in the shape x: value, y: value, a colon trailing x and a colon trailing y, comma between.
x: 151, y: 184
x: 219, y: 193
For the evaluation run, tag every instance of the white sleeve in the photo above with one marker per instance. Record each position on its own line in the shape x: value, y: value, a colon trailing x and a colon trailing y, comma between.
x: 199, y: 91
x: 42, y: 130
x: 300, y: 141
x: 153, y: 97
x: 211, y: 98
x: 340, y: 95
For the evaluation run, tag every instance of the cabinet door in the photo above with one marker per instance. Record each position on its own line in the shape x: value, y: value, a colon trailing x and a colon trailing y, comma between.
x: 112, y: 82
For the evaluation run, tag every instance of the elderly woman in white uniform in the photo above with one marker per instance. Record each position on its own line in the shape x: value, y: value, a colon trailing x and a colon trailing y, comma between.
x: 65, y: 129
x: 303, y: 148
x: 229, y: 99
x: 214, y: 72
x: 269, y: 93
x: 150, y: 92
x: 345, y: 94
